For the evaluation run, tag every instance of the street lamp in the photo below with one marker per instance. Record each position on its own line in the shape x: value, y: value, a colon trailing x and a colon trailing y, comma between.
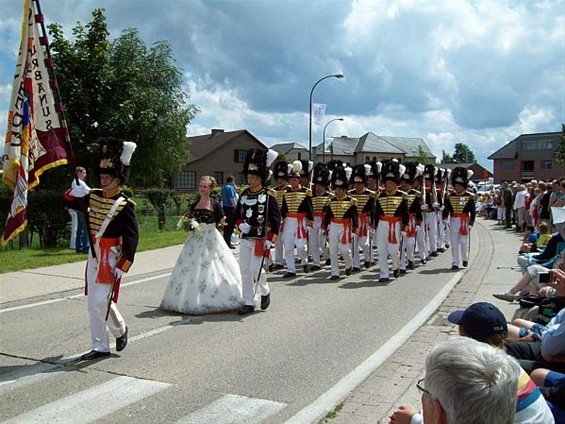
x: 324, y: 140
x: 310, y: 117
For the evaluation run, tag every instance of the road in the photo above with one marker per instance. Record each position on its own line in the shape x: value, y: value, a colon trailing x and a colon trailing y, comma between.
x: 318, y: 339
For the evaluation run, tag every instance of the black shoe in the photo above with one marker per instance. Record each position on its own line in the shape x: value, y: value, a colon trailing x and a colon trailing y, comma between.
x: 355, y: 269
x: 247, y: 309
x: 395, y: 273
x: 424, y: 261
x: 315, y: 268
x: 306, y: 269
x: 465, y: 263
x: 265, y: 301
x: 328, y: 261
x: 348, y: 271
x: 289, y: 274
x: 441, y: 250
x: 94, y: 354
x: 410, y: 265
x: 231, y: 246
x: 454, y: 267
x: 271, y: 267
x: 434, y: 254
x: 446, y: 246
x: 276, y: 267
x: 334, y: 277
x: 384, y: 280
x: 367, y: 264
x: 122, y: 341
x: 402, y: 271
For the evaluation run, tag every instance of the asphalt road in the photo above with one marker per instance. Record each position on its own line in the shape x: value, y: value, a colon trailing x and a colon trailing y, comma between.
x: 269, y: 367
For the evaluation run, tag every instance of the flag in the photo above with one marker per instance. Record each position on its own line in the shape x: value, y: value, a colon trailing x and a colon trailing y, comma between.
x: 36, y: 137
x: 318, y: 109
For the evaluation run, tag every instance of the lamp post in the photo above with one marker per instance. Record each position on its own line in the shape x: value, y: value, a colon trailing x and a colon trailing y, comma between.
x: 324, y: 140
x: 310, y: 116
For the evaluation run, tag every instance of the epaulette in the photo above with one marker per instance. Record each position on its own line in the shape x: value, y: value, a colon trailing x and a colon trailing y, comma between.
x: 131, y: 201
x: 271, y: 192
x: 308, y: 192
x: 417, y: 193
x: 404, y: 194
x: 353, y: 201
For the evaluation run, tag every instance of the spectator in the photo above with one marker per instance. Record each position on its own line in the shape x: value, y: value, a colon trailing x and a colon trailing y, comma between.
x: 82, y: 242
x: 507, y: 202
x: 466, y: 382
x: 229, y: 202
x: 520, y: 207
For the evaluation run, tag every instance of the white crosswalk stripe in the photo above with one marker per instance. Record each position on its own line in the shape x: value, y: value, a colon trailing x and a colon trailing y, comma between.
x: 92, y: 404
x: 233, y: 409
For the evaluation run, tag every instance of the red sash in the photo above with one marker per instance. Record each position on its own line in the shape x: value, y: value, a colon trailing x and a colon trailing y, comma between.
x: 392, y: 220
x: 347, y: 228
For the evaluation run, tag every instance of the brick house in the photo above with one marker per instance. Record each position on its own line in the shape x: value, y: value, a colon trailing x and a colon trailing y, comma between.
x: 219, y: 154
x: 480, y: 173
x: 527, y: 157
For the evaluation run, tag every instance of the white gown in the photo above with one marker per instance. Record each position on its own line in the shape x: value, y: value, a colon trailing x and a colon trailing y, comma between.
x: 206, y: 278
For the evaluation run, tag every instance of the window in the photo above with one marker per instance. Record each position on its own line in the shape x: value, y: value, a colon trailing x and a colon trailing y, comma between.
x: 299, y: 156
x: 545, y: 165
x: 187, y: 180
x: 239, y: 156
x: 219, y: 177
x: 507, y: 166
x: 528, y: 165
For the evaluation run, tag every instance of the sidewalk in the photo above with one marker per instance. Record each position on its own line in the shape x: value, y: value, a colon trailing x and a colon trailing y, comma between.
x: 394, y: 383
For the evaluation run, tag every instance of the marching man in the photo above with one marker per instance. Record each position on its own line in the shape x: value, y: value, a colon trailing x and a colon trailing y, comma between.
x: 280, y: 174
x: 460, y: 208
x: 258, y: 218
x: 317, y: 237
x: 391, y: 217
x: 114, y: 235
x: 297, y: 213
x: 340, y: 221
x: 414, y: 217
x: 430, y: 207
x: 373, y: 185
x: 365, y: 214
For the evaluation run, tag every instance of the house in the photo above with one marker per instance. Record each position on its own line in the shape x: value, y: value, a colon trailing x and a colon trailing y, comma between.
x: 219, y: 154
x: 372, y: 147
x: 480, y: 173
x: 527, y: 157
x: 292, y: 151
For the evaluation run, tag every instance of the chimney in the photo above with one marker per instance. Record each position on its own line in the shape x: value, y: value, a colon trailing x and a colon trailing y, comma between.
x: 216, y: 131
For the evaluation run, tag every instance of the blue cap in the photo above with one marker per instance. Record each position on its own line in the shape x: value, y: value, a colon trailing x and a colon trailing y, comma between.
x: 480, y: 321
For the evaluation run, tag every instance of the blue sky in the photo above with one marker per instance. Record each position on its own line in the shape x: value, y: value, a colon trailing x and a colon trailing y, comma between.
x: 476, y: 72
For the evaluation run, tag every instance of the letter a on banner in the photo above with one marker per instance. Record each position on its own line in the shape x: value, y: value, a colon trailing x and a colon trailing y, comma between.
x: 36, y: 138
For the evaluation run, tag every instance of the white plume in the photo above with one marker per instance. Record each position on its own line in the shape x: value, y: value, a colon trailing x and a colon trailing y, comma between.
x: 296, y: 166
x: 271, y: 156
x: 469, y: 174
x: 379, y: 167
x: 127, y: 152
x: 367, y: 169
x: 401, y: 169
x: 348, y: 172
x: 420, y: 169
x: 310, y: 165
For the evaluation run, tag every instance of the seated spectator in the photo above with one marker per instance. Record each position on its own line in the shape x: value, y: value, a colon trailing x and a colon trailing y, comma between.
x: 529, y: 240
x: 543, y: 234
x: 550, y: 351
x: 486, y: 324
x: 548, y: 254
x: 552, y: 386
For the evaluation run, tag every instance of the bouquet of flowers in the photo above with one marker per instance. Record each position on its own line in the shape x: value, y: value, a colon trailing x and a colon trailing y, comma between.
x: 188, y: 223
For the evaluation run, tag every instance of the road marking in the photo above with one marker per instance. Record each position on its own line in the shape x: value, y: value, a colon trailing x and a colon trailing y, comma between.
x: 92, y: 404
x: 46, y: 302
x: 329, y: 400
x: 233, y: 409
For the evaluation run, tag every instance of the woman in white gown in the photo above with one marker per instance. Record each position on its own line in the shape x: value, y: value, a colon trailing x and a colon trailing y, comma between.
x: 206, y: 277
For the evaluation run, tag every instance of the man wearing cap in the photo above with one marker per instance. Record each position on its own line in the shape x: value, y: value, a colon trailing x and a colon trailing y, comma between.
x: 365, y: 214
x: 258, y: 218
x: 280, y: 174
x: 317, y: 237
x: 114, y: 236
x: 414, y: 217
x: 418, y: 186
x: 430, y: 207
x: 373, y: 185
x: 460, y: 208
x: 391, y: 217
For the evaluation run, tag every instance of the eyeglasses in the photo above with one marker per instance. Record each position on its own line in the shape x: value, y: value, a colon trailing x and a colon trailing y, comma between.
x: 420, y: 388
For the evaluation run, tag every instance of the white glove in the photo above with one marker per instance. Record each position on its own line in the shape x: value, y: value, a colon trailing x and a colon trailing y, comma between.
x: 244, y: 227
x: 435, y: 205
x: 441, y: 208
x: 118, y: 273
x: 424, y: 207
x: 469, y: 228
x: 268, y: 244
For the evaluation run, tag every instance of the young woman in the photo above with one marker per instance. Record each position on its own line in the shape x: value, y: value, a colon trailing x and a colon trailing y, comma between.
x: 206, y: 277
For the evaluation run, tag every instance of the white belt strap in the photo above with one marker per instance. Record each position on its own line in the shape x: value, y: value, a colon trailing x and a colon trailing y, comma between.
x: 111, y: 213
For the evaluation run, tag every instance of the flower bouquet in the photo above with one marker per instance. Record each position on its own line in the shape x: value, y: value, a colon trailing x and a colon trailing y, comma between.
x: 188, y: 223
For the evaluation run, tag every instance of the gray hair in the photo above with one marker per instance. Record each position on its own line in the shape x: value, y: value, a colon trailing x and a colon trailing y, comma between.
x: 473, y: 381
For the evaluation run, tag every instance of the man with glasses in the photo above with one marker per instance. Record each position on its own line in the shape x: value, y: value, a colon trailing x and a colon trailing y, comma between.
x: 461, y: 368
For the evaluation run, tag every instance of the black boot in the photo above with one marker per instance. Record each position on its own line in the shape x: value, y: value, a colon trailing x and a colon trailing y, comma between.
x: 122, y: 341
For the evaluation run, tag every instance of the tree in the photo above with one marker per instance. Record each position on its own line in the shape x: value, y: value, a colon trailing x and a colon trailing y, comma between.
x: 560, y: 153
x: 446, y: 157
x: 125, y: 89
x: 422, y: 156
x: 463, y: 154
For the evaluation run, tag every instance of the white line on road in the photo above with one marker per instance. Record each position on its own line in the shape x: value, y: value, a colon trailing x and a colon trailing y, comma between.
x: 60, y: 299
x: 92, y: 404
x: 233, y: 409
x: 329, y: 400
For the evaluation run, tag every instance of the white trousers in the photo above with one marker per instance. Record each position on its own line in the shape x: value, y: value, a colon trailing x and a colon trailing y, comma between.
x: 335, y: 238
x: 97, y: 301
x: 317, y: 241
x: 430, y: 221
x: 441, y: 231
x: 407, y: 253
x: 279, y: 249
x: 459, y: 242
x: 421, y: 242
x: 249, y: 265
x: 290, y: 240
x: 74, y: 226
x: 387, y: 248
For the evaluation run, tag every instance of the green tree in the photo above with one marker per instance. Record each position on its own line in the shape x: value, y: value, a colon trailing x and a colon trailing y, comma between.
x: 422, y: 156
x: 446, y: 157
x: 560, y: 153
x: 463, y: 154
x: 126, y: 89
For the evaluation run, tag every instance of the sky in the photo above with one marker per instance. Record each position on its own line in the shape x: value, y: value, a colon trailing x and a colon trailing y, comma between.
x: 448, y: 71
